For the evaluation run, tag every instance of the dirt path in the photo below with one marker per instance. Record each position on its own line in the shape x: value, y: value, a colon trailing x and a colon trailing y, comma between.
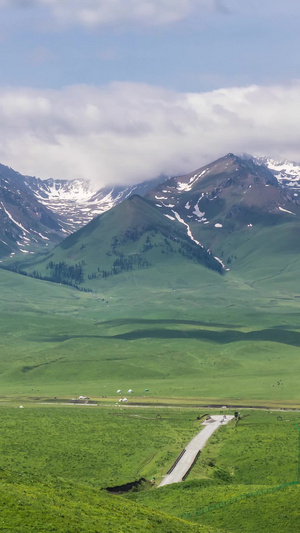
x: 193, y: 448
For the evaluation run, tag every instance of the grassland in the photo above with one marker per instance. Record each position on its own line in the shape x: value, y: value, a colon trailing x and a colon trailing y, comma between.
x: 55, y: 463
x: 191, y: 340
x: 215, y: 339
x: 71, y: 507
x: 259, y: 454
x: 104, y: 446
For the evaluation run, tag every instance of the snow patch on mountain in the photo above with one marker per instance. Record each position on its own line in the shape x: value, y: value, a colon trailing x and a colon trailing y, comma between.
x: 73, y: 190
x: 188, y: 185
x: 76, y: 202
x: 286, y: 172
x: 286, y: 211
x: 221, y: 262
x: 197, y: 211
x: 13, y: 220
x: 178, y: 217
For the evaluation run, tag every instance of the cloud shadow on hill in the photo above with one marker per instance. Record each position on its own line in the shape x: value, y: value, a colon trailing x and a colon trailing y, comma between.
x: 288, y: 337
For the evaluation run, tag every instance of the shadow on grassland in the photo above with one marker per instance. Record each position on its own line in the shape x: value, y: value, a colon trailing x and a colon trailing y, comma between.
x: 291, y: 338
x: 220, y: 337
x: 150, y: 322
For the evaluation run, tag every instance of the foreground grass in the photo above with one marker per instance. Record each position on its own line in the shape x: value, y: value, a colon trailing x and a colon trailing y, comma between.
x: 55, y: 463
x: 72, y: 507
x: 100, y: 446
x: 275, y: 511
x: 257, y: 455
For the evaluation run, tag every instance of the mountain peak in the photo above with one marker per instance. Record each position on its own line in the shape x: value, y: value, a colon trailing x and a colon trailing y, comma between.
x: 227, y: 195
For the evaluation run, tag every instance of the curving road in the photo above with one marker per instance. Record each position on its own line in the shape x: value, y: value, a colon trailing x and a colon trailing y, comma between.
x: 193, y: 448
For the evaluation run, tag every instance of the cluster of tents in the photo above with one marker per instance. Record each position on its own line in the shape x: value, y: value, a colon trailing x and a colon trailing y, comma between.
x: 130, y: 391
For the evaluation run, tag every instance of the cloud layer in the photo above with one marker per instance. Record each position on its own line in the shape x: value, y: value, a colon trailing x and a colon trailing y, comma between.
x: 126, y: 132
x: 98, y: 12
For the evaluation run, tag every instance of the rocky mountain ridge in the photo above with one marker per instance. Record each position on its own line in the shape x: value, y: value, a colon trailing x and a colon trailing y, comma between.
x: 35, y: 213
x: 77, y: 202
x: 231, y: 192
x: 197, y: 195
x: 286, y: 172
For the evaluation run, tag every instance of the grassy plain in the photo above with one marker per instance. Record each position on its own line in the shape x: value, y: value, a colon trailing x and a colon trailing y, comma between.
x: 190, y: 337
x: 209, y: 338
x: 55, y: 461
x: 102, y: 446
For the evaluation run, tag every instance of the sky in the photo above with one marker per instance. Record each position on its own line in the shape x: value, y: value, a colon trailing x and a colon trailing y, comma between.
x: 119, y: 91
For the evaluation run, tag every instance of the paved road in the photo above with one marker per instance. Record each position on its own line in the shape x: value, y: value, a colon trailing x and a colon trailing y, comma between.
x: 193, y: 448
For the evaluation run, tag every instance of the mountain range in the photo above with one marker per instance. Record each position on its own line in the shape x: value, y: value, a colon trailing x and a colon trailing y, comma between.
x: 36, y: 214
x: 206, y: 216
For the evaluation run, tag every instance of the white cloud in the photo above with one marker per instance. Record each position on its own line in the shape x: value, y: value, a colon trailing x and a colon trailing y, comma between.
x: 126, y: 132
x: 92, y: 13
x: 97, y: 12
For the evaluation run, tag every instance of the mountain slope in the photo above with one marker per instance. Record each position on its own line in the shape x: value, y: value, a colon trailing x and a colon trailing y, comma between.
x: 218, y: 206
x: 36, y: 214
x: 286, y: 172
x: 134, y: 235
x: 25, y: 224
x: 226, y: 200
x: 77, y: 202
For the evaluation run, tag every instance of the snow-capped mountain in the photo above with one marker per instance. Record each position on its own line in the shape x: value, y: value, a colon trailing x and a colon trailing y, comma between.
x: 286, y: 172
x: 186, y: 196
x: 220, y: 214
x: 229, y: 195
x: 36, y: 213
x: 69, y: 200
x: 25, y: 224
x: 77, y: 202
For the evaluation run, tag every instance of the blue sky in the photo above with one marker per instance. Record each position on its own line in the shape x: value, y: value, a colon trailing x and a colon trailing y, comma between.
x: 122, y: 90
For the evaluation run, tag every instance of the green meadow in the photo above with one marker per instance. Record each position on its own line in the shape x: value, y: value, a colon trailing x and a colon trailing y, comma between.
x: 211, y: 339
x: 242, y: 479
x: 180, y: 342
x: 56, y: 463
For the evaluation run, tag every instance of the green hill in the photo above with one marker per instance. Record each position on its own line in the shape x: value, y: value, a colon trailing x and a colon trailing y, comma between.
x: 130, y: 237
x: 65, y: 507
